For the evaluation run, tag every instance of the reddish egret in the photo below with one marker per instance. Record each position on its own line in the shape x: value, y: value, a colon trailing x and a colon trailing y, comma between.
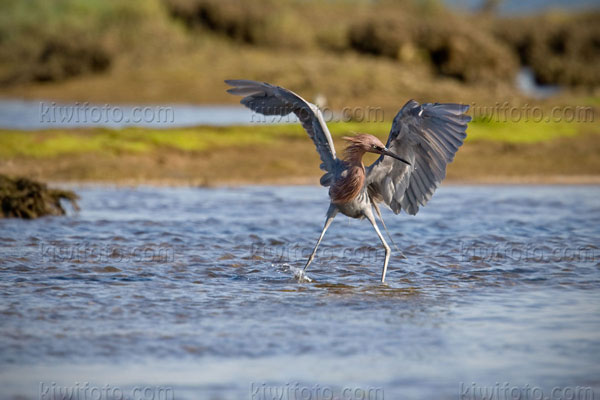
x: 422, y: 141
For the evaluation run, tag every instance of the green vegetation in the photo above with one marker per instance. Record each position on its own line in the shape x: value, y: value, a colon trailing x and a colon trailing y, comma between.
x: 280, y: 153
x: 55, y: 40
x: 523, y: 132
x: 54, y: 143
x: 560, y: 49
x: 355, y: 53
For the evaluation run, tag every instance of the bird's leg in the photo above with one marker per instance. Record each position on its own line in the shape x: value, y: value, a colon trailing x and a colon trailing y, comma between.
x: 371, y: 219
x: 330, y: 216
x: 376, y: 207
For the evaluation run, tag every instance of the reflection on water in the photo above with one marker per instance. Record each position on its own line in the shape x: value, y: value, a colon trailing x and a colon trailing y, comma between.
x: 196, y: 289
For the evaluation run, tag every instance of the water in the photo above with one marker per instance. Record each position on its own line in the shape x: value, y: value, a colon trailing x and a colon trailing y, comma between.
x: 515, y: 7
x: 197, y: 290
x: 35, y: 115
x: 40, y: 114
x: 525, y: 82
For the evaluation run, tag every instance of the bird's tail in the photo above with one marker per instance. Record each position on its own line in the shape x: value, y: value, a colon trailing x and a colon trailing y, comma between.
x: 385, y: 227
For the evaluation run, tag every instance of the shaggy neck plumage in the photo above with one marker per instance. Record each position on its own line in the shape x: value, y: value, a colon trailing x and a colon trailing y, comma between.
x: 354, y: 153
x: 351, y: 182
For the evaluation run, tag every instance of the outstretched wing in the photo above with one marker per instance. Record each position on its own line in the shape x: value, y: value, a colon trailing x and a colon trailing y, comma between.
x: 427, y: 136
x: 268, y: 99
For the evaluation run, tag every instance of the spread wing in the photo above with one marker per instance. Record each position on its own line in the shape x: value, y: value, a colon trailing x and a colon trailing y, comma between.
x: 268, y: 99
x: 427, y: 136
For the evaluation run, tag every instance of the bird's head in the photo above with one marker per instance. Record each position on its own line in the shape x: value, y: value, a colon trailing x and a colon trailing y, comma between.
x: 368, y: 143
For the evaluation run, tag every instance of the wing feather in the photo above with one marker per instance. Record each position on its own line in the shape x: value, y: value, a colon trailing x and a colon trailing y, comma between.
x: 268, y: 99
x: 427, y: 135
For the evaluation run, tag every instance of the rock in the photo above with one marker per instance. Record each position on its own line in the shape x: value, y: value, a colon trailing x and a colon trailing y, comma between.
x: 24, y: 198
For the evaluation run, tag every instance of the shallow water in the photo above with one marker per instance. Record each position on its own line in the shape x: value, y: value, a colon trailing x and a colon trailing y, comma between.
x: 194, y: 289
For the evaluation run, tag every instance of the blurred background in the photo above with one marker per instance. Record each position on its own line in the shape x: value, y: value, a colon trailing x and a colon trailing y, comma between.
x: 165, y: 287
x: 528, y: 69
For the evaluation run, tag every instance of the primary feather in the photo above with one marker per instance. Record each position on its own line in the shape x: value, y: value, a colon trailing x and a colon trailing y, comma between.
x: 268, y: 99
x: 427, y: 136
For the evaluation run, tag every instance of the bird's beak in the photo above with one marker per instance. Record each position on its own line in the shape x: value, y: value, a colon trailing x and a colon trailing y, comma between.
x: 388, y: 153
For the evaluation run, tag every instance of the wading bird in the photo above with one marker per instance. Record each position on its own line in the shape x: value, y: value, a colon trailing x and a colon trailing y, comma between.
x: 422, y: 141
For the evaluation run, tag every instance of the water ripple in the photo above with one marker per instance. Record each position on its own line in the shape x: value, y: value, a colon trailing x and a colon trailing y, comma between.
x: 483, y: 276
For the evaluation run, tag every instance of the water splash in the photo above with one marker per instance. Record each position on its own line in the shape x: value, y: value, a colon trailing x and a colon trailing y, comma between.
x: 299, y: 273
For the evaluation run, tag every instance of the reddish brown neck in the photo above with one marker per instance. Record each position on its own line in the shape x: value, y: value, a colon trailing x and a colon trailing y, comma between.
x: 353, y: 154
x: 353, y: 179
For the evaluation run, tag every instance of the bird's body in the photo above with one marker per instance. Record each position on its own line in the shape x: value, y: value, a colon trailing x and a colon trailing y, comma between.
x: 422, y: 141
x: 348, y: 185
x: 355, y: 206
x: 348, y: 192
